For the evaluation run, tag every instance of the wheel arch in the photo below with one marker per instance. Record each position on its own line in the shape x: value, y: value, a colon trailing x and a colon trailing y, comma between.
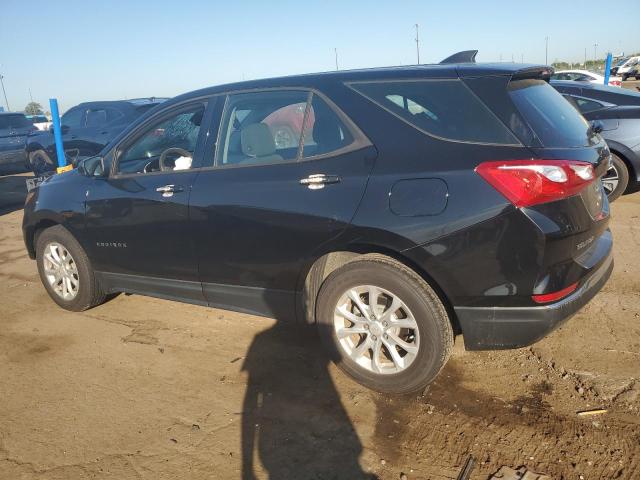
x: 32, y: 232
x: 625, y: 155
x: 321, y: 268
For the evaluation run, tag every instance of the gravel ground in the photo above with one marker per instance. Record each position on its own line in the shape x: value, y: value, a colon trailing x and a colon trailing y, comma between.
x: 141, y: 388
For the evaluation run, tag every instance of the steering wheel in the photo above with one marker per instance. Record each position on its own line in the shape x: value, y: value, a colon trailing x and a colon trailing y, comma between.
x: 175, y: 150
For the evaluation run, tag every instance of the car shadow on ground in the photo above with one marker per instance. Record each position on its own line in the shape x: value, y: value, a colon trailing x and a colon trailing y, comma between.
x: 13, y: 189
x: 288, y: 377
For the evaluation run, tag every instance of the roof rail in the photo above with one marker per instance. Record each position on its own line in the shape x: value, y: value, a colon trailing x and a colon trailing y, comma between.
x: 466, y: 56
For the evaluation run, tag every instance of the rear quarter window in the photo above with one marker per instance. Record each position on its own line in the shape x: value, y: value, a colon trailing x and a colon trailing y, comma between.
x: 445, y: 109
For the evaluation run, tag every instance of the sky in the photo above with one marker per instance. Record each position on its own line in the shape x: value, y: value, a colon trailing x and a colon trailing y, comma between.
x: 83, y: 50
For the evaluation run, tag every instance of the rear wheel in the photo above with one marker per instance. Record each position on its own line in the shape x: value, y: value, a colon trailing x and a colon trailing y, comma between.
x: 65, y: 270
x: 616, y: 179
x: 383, y: 324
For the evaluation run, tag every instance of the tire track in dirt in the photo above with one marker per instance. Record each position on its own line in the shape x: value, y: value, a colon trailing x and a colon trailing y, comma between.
x: 450, y: 422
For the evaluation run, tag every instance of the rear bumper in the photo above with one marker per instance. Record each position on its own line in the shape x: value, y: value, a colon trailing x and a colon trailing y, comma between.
x: 496, y: 328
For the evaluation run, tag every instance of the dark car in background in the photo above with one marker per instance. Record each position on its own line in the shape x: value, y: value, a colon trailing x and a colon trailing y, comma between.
x: 14, y: 129
x: 86, y: 129
x: 390, y: 207
x: 617, y: 113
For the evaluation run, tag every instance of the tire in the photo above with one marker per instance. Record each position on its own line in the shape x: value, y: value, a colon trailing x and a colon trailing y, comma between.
x: 88, y: 293
x: 616, y: 179
x: 392, y: 279
x: 40, y: 162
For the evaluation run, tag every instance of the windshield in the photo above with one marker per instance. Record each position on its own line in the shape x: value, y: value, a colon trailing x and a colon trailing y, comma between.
x: 555, y: 122
x: 13, y: 121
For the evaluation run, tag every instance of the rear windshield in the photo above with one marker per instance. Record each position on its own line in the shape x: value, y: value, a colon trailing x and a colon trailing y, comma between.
x: 14, y: 121
x: 445, y: 109
x: 554, y: 120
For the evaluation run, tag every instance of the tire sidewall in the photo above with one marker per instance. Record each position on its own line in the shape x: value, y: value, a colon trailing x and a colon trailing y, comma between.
x: 623, y: 178
x: 432, y: 352
x: 60, y: 235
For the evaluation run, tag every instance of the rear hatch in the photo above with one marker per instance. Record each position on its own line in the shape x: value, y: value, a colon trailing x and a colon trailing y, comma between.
x: 14, y: 129
x: 559, y: 188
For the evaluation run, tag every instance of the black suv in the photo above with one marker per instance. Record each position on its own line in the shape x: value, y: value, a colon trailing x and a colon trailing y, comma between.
x: 391, y: 207
x: 86, y: 129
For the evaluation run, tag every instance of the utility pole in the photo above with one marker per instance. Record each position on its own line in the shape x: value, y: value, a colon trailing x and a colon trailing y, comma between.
x: 30, y: 96
x: 5, y: 93
x: 418, y: 42
x: 336, y: 52
x: 546, y: 50
x: 585, y: 57
x: 595, y: 54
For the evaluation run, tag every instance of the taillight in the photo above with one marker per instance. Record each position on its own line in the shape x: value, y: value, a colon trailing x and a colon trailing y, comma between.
x: 615, y: 83
x: 551, y: 297
x: 530, y: 182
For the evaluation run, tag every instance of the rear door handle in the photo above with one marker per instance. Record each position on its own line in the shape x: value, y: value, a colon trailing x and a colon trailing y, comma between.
x: 319, y: 180
x: 169, y: 190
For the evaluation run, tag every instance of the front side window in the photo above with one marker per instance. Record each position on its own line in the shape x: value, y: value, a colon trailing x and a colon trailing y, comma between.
x: 73, y: 118
x: 167, y: 145
x: 445, y: 109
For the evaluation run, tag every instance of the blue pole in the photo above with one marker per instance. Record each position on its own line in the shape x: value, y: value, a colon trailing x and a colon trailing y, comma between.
x: 57, y: 131
x: 607, y: 68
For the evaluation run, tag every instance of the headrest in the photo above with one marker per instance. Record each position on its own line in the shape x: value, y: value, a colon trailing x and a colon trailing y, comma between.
x: 257, y: 141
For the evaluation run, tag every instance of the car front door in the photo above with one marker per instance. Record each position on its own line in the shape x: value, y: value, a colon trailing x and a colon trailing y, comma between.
x: 137, y: 218
x: 289, y: 173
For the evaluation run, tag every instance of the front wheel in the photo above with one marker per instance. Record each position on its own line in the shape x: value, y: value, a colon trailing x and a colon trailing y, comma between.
x: 616, y: 179
x: 65, y: 270
x: 384, y: 325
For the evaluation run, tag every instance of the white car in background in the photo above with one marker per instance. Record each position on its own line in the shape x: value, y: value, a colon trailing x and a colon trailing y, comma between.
x: 585, y: 76
x: 626, y: 67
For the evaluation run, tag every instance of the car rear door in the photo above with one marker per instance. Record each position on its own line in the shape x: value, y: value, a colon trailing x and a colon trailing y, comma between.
x: 290, y: 170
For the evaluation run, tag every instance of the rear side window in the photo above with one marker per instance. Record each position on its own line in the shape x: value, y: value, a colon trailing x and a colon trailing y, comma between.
x: 584, y: 105
x: 445, y: 109
x: 554, y: 120
x: 13, y: 121
x: 96, y: 117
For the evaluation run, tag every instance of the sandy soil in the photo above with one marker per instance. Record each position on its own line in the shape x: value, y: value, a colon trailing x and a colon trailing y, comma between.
x: 141, y: 388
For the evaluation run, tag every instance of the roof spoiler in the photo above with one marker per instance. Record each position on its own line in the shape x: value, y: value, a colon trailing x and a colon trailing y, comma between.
x: 466, y: 56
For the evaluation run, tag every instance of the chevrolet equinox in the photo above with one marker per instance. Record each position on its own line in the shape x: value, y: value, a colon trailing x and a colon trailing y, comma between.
x: 391, y: 207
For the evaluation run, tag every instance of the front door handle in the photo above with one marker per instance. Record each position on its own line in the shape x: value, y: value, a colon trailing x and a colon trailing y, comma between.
x: 319, y: 180
x: 169, y: 190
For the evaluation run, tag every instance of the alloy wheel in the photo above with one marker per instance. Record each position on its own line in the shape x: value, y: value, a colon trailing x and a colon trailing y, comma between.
x: 610, y: 180
x: 61, y: 271
x: 376, y: 329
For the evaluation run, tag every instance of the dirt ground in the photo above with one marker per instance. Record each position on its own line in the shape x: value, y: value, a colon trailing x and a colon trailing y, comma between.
x: 141, y: 388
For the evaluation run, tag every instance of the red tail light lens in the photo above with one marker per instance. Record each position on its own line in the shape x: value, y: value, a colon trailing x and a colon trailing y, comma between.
x: 530, y: 182
x: 551, y: 297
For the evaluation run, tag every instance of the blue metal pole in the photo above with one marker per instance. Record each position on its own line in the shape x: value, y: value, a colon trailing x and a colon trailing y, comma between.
x: 57, y: 132
x: 607, y: 68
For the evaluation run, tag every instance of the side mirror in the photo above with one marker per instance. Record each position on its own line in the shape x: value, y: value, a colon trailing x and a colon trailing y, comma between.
x: 597, y: 126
